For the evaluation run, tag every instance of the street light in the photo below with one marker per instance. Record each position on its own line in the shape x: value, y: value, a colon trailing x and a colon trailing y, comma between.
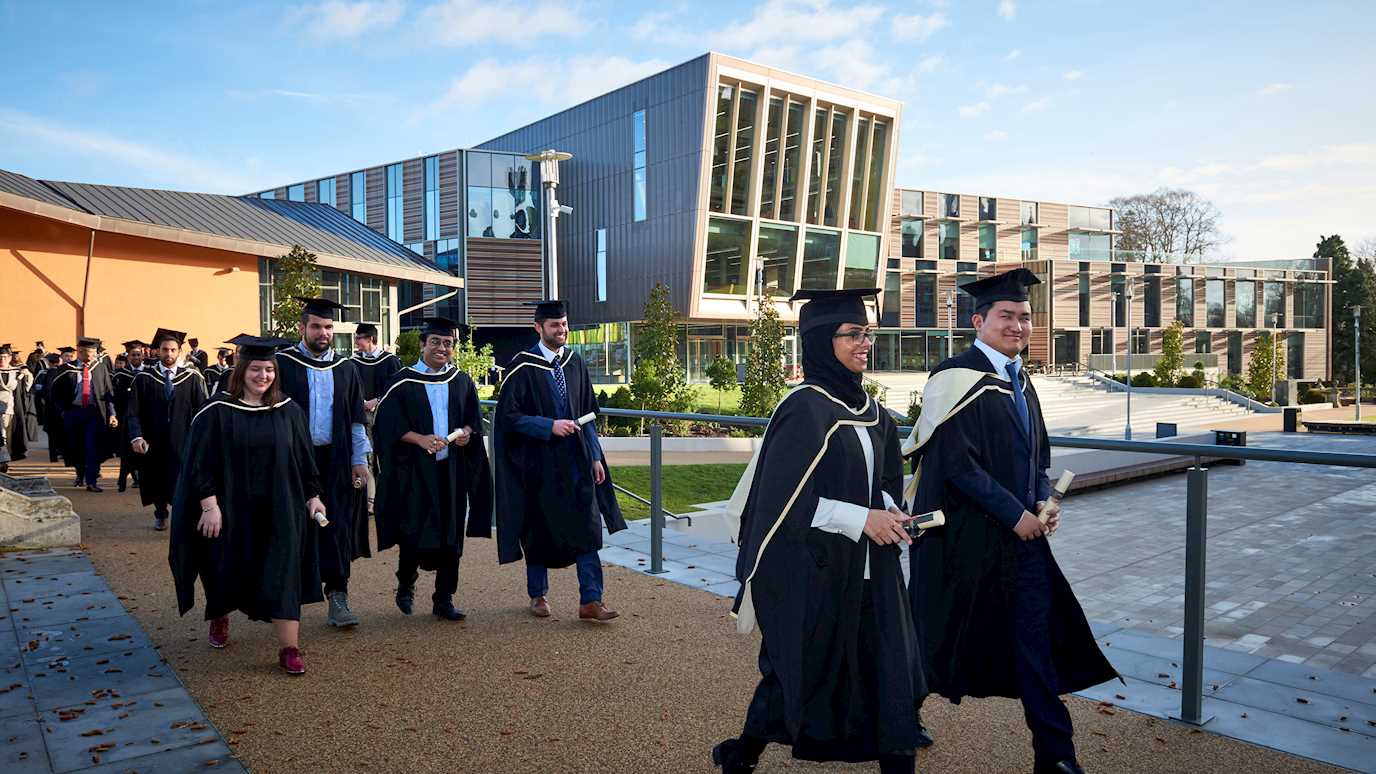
x: 1127, y: 428
x: 549, y: 179
x: 1357, y: 355
x: 950, y: 323
x: 1275, y: 353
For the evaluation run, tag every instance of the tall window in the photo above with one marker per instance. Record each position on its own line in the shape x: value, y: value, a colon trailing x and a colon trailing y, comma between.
x: 988, y: 244
x: 1309, y: 304
x: 728, y: 242
x: 889, y: 310
x: 769, y: 179
x: 1246, y: 304
x: 721, y: 146
x: 1213, y: 303
x: 950, y: 205
x: 268, y: 195
x: 638, y: 161
x: 821, y: 258
x: 878, y: 196
x: 1151, y: 302
x: 742, y: 158
x: 1117, y: 288
x: 831, y: 215
x: 296, y: 193
x: 1235, y: 352
x: 949, y: 242
x: 358, y: 197
x: 432, y: 197
x: 1084, y: 297
x: 1294, y: 355
x: 1203, y: 341
x: 1027, y: 213
x: 910, y: 232
x: 792, y: 162
x: 1184, y: 300
x: 858, y: 189
x: 965, y: 303
x: 1273, y: 294
x: 988, y: 209
x: 395, y: 221
x: 601, y: 264
x: 924, y: 300
x: 324, y: 192
x: 1029, y: 243
x: 777, y: 249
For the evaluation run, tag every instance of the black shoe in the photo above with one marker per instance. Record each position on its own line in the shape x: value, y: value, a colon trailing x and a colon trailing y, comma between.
x: 924, y: 737
x: 727, y: 756
x: 448, y: 612
x: 1059, y: 767
x: 79, y: 483
x: 406, y: 597
x: 93, y: 488
x: 121, y: 486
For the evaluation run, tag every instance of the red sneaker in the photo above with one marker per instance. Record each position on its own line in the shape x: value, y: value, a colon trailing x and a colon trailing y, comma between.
x: 219, y: 632
x: 290, y: 659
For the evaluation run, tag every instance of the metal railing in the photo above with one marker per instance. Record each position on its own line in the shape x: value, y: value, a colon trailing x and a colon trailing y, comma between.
x: 1196, y: 513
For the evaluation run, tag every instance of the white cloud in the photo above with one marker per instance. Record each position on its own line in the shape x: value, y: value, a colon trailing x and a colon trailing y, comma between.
x: 1011, y: 55
x: 1001, y: 89
x: 1354, y: 154
x: 469, y: 22
x: 1272, y: 89
x: 164, y: 167
x: 931, y: 64
x: 918, y: 27
x: 1008, y: 9
x: 546, y: 83
x: 996, y: 135
x: 343, y: 20
x: 1037, y: 105
x: 666, y: 29
x: 791, y: 22
x: 970, y: 111
x: 1073, y: 75
x: 309, y: 97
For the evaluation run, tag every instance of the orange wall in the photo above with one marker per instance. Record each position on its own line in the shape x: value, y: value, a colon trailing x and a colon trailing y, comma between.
x: 137, y: 285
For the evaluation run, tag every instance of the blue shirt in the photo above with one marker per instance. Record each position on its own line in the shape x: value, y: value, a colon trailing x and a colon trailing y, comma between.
x: 543, y: 427
x: 321, y: 384
x: 439, y: 404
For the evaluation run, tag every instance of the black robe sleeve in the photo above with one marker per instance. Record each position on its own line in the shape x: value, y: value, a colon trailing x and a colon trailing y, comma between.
x: 477, y: 471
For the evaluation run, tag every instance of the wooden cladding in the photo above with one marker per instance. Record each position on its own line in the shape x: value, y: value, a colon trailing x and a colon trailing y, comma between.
x: 413, y: 200
x: 449, y: 194
x: 376, y: 188
x: 502, y: 275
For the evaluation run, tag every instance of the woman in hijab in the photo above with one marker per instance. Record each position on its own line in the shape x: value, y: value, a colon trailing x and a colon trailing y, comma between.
x: 819, y: 563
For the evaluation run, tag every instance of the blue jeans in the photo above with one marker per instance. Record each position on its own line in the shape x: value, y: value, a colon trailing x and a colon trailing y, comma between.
x: 589, y: 579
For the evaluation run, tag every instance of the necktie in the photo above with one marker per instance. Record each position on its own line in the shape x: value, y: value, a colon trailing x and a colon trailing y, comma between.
x: 1019, y: 400
x: 559, y: 381
x: 85, y: 384
x: 167, y: 384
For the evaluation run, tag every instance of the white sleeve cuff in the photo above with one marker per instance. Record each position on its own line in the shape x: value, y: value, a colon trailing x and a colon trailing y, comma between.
x: 888, y: 501
x: 841, y: 518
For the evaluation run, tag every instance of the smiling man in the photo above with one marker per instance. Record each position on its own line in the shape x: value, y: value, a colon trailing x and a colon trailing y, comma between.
x: 988, y: 596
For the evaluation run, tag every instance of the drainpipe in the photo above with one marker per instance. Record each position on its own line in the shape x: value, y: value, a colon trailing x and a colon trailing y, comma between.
x: 86, y: 286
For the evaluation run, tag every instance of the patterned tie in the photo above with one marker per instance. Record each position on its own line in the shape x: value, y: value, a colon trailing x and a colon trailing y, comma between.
x: 559, y: 381
x: 167, y: 383
x: 85, y: 384
x: 1019, y: 400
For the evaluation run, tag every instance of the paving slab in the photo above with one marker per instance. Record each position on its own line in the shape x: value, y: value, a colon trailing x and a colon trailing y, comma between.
x: 21, y: 746
x: 67, y: 584
x: 1284, y: 732
x: 129, y: 673
x: 1300, y: 703
x: 215, y: 757
x: 16, y: 697
x: 56, y: 562
x: 114, y: 729
x: 45, y: 644
x: 1345, y: 686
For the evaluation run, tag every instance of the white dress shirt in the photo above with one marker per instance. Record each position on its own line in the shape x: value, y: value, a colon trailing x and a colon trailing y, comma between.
x: 843, y: 518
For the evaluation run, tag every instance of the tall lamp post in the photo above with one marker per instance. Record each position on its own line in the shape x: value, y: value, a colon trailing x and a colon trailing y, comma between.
x: 950, y: 323
x: 549, y: 180
x: 1275, y: 353
x: 1357, y: 356
x: 1127, y: 428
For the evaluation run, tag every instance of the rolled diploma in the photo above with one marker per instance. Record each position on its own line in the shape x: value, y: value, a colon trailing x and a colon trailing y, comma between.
x: 320, y: 519
x: 1057, y: 492
x: 457, y: 434
x: 586, y: 418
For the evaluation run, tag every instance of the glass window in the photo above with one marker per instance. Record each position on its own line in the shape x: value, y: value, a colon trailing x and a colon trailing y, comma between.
x: 721, y: 146
x: 1234, y: 352
x: 910, y: 203
x: 988, y: 209
x: 1184, y: 300
x: 601, y: 247
x: 296, y: 193
x: 950, y: 205
x: 910, y: 232
x: 1203, y: 341
x: 821, y: 258
x: 774, y: 127
x: 1084, y: 299
x: 639, y: 161
x: 793, y: 135
x: 1029, y: 244
x: 324, y: 192
x: 395, y: 221
x: 1120, y: 299
x: 743, y: 156
x: 1101, y: 341
x: 1246, y: 303
x: 965, y: 303
x: 1273, y: 296
x: 924, y: 298
x: 1090, y: 247
x: 479, y: 212
x: 778, y: 251
x: 358, y: 197
x: 1028, y: 213
x: 949, y: 242
x: 1093, y: 218
x: 862, y: 261
x: 1309, y: 304
x: 503, y: 213
x: 1294, y: 355
x: 1151, y: 302
x: 889, y: 307
x: 819, y: 145
x: 836, y: 162
x: 858, y: 172
x: 727, y: 245
x: 432, y: 197
x: 1141, y: 341
x: 878, y: 197
x: 267, y: 195
x: 988, y: 244
x: 1213, y: 303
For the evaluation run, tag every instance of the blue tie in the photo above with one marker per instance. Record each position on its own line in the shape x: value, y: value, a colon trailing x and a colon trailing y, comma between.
x: 559, y: 381
x: 167, y: 384
x: 1019, y: 400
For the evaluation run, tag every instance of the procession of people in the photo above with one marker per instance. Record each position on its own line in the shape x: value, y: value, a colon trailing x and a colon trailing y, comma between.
x: 876, y: 570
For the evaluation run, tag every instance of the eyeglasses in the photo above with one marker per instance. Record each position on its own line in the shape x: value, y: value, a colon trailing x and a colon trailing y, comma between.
x: 856, y: 336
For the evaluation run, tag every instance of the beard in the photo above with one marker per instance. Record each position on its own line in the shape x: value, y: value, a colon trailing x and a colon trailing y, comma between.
x: 317, y: 347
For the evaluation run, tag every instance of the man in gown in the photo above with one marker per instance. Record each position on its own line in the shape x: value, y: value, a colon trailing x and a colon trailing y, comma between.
x: 216, y: 375
x: 124, y: 382
x: 554, y: 493
x: 988, y: 597
x: 429, y: 482
x: 376, y: 367
x: 84, y: 393
x: 161, y: 402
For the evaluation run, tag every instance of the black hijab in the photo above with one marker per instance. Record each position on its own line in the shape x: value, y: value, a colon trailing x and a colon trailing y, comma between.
x: 820, y: 367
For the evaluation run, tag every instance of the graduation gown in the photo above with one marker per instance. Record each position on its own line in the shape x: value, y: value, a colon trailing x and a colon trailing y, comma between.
x: 124, y: 382
x: 548, y: 508
x: 827, y: 691
x: 164, y: 425
x: 216, y: 378
x: 23, y: 428
x: 964, y: 573
x: 257, y: 462
x: 51, y: 413
x: 62, y: 395
x: 346, y: 537
x: 408, y: 506
x: 375, y: 373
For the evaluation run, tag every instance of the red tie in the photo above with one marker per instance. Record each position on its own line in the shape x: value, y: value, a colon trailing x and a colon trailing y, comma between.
x: 85, y: 384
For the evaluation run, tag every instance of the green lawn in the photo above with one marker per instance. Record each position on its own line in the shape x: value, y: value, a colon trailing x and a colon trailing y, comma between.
x: 684, y: 486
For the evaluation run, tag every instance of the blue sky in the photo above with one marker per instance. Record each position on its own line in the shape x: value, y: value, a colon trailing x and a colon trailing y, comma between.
x: 1264, y: 107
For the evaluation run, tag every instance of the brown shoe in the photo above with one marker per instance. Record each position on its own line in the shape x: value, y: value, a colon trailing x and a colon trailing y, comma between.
x: 539, y: 607
x: 596, y: 611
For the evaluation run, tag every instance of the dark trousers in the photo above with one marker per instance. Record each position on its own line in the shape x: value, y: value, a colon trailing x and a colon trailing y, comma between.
x: 1047, y: 717
x: 447, y: 573
x: 336, y: 540
x: 84, y: 425
x: 589, y: 578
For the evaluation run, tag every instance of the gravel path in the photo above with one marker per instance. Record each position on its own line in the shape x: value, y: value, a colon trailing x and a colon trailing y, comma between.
x: 504, y: 692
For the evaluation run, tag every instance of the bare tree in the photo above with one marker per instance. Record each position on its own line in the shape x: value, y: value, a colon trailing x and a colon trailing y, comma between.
x: 1167, y: 221
x: 1366, y: 251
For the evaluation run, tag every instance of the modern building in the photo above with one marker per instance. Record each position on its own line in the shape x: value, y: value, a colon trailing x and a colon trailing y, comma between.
x: 118, y: 263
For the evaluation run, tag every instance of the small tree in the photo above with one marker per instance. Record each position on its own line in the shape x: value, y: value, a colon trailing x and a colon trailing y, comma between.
x: 408, y: 347
x: 663, y: 386
x: 721, y: 375
x: 475, y: 361
x: 294, y: 274
x: 1265, y: 366
x: 765, y: 380
x: 1167, y: 370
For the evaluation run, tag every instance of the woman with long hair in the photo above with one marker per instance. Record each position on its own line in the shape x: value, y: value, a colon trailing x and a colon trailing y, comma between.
x: 244, y: 514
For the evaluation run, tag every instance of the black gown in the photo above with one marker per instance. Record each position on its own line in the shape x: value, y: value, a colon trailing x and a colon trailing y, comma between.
x: 964, y: 573
x: 216, y: 378
x: 375, y: 373
x: 23, y: 428
x: 548, y: 508
x: 124, y: 382
x: 840, y: 672
x: 62, y: 394
x: 408, y: 504
x: 50, y: 411
x: 164, y: 425
x: 257, y: 462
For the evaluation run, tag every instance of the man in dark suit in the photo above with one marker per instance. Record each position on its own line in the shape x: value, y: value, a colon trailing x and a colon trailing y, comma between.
x: 84, y: 393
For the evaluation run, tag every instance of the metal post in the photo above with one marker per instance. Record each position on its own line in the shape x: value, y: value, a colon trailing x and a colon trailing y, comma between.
x: 656, y: 498
x: 1127, y: 428
x: 1114, y: 328
x: 950, y: 324
x: 549, y: 181
x: 1196, y: 533
x: 1357, y: 357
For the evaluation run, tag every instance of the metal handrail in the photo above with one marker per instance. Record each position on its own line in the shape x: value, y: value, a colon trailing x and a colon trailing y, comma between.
x: 647, y: 503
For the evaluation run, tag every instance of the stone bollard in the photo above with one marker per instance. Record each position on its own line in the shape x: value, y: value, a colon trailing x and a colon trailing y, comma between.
x: 32, y: 515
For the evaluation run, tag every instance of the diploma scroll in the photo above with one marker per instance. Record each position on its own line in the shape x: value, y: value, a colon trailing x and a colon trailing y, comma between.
x: 1057, y: 492
x: 320, y: 519
x: 586, y: 418
x: 457, y: 434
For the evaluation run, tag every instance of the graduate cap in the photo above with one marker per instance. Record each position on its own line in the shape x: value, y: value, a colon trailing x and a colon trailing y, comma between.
x: 66, y: 349
x: 87, y: 341
x: 223, y: 350
x: 133, y: 344
x: 830, y: 308
x: 1008, y: 286
x: 52, y: 357
x: 549, y: 310
x: 439, y: 326
x: 322, y: 307
x: 5, y: 350
x: 366, y: 329
x: 164, y: 334
x: 258, y: 347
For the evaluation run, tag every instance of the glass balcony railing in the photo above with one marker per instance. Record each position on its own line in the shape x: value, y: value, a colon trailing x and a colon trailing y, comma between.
x: 1181, y: 259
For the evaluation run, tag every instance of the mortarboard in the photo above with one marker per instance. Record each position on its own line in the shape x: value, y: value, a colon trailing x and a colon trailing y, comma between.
x: 1008, y: 286
x: 548, y: 310
x: 830, y: 308
x: 5, y: 349
x: 258, y: 347
x: 366, y: 329
x: 164, y: 334
x: 133, y: 344
x: 322, y: 307
x: 52, y: 357
x: 87, y: 341
x: 438, y: 326
x: 66, y: 349
x: 223, y: 351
